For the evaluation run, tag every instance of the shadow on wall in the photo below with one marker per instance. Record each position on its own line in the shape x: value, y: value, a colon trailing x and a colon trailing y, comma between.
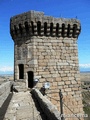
x: 43, y: 116
x: 5, y: 105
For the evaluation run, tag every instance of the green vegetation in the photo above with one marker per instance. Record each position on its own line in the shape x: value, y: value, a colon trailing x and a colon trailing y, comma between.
x: 86, y: 103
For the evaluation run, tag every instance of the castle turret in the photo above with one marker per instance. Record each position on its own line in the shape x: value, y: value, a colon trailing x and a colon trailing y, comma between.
x: 46, y: 52
x: 34, y: 23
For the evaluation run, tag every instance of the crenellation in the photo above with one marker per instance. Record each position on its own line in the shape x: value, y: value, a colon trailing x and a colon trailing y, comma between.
x: 28, y: 26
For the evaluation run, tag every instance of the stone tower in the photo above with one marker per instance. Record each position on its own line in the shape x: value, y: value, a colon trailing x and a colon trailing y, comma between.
x: 46, y: 51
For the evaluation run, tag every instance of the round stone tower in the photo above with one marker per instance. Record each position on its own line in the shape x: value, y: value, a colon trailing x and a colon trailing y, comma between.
x: 46, y: 55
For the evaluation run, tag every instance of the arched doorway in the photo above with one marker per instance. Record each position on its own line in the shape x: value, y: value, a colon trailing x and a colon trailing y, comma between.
x: 30, y: 79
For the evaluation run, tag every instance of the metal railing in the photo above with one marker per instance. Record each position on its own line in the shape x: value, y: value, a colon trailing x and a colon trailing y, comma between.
x: 61, y: 106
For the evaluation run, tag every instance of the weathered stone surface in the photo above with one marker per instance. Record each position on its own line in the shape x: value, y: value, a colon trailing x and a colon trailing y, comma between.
x: 48, y: 108
x: 4, y: 91
x: 47, y: 48
x: 22, y: 107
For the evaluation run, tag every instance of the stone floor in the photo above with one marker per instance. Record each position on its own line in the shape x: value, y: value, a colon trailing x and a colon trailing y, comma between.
x: 22, y: 107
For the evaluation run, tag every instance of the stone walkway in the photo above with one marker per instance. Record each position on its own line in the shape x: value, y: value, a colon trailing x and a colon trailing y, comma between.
x: 22, y: 107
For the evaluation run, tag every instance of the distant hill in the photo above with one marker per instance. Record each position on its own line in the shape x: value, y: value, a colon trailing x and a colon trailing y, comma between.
x: 84, y: 71
x: 6, y: 74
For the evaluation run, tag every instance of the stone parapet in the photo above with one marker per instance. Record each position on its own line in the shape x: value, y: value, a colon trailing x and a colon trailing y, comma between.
x: 47, y: 107
x: 4, y: 92
x: 34, y: 23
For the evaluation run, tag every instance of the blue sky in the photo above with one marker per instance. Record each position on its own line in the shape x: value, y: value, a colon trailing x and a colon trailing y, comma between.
x: 55, y: 8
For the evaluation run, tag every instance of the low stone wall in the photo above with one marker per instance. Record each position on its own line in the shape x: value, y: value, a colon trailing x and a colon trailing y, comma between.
x: 4, y: 91
x: 48, y: 108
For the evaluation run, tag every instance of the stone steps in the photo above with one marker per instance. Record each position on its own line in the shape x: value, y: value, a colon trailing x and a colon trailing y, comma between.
x: 19, y: 89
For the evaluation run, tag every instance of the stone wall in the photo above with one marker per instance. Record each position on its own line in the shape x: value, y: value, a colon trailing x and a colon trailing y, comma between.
x: 47, y: 47
x: 56, y: 62
x: 4, y: 91
x: 47, y: 107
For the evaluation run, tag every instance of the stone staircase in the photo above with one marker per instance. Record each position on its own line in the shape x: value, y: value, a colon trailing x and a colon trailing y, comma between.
x: 19, y: 86
x: 22, y: 107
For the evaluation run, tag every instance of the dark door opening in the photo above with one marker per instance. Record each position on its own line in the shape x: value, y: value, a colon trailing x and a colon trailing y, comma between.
x: 30, y: 79
x: 21, y: 71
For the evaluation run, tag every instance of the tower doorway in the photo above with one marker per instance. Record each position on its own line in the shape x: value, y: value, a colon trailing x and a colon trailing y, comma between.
x: 30, y: 79
x: 21, y: 71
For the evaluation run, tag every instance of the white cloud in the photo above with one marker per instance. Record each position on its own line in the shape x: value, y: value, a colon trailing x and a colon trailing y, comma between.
x: 11, y: 69
x: 6, y: 69
x: 84, y: 65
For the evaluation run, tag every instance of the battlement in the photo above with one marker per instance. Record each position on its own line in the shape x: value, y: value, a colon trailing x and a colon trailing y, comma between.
x: 34, y: 23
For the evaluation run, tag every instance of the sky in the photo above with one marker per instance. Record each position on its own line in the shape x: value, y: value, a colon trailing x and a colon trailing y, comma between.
x: 79, y: 9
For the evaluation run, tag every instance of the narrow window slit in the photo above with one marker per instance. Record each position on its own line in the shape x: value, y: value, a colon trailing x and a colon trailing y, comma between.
x: 45, y: 28
x: 26, y: 27
x: 57, y: 29
x: 32, y: 27
x: 38, y: 27
x: 15, y: 29
x: 51, y: 29
x: 74, y: 30
x: 68, y: 31
x: 63, y: 28
x: 20, y: 28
